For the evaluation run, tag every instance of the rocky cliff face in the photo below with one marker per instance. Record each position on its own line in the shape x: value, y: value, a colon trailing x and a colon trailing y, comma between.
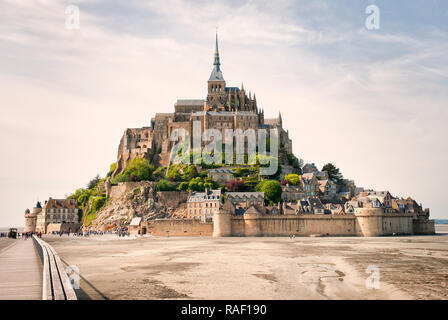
x: 140, y: 201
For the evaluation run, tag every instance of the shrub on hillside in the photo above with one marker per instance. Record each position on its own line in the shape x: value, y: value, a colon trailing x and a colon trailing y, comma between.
x: 272, y: 190
x: 235, y: 185
x: 165, y: 185
x: 137, y: 169
x: 293, y: 179
x: 183, y: 186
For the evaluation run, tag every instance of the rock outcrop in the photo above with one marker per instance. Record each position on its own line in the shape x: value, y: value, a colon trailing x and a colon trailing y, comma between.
x: 141, y: 201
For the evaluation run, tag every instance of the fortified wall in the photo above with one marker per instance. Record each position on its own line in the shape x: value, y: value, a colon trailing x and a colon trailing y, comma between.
x: 181, y: 227
x: 64, y: 227
x: 365, y: 222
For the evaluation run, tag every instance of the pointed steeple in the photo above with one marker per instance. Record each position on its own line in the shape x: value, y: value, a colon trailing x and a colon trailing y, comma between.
x: 217, y: 64
x: 280, y: 118
x: 216, y: 72
x: 255, y: 107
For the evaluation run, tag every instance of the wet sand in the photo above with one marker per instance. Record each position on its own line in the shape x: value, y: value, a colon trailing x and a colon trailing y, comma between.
x: 412, y: 267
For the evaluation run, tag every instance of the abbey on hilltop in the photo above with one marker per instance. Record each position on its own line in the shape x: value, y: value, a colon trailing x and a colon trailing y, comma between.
x: 224, y: 108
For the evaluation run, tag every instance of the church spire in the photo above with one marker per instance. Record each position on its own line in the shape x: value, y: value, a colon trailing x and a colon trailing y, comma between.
x: 217, y: 64
x: 216, y: 72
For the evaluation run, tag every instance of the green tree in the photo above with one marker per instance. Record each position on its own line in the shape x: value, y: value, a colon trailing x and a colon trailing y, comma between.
x: 121, y: 177
x: 241, y: 172
x: 83, y: 199
x: 159, y: 173
x: 183, y: 186
x: 140, y: 168
x: 272, y: 190
x: 173, y: 173
x: 94, y: 182
x: 294, y: 161
x: 251, y: 182
x: 98, y: 203
x: 333, y: 173
x: 293, y: 178
x: 190, y: 172
x: 196, y: 184
x: 112, y: 168
x: 165, y: 185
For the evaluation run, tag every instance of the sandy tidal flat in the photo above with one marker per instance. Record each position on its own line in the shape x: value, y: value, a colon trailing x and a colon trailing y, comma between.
x: 413, y: 267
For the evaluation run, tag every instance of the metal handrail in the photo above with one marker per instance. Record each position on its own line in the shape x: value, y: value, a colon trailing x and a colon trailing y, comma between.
x: 56, y: 284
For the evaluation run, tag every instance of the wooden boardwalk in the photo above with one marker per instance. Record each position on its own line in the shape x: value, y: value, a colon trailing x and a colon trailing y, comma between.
x: 20, y: 272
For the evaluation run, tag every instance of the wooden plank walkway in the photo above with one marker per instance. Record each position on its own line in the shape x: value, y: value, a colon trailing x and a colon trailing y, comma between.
x: 20, y: 272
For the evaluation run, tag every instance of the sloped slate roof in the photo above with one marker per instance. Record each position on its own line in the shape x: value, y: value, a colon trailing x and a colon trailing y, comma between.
x: 244, y: 195
x: 224, y: 170
x: 204, y: 196
x: 61, y: 203
x: 216, y: 75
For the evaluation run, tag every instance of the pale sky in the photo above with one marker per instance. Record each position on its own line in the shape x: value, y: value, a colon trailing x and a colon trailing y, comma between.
x: 373, y: 102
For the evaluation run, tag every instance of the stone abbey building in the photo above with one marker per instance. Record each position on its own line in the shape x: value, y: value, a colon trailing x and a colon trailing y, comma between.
x: 224, y: 108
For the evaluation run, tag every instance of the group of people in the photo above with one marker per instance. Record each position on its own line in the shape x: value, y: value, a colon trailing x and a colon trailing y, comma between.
x: 61, y: 233
x: 29, y: 235
x: 120, y: 233
x: 20, y: 235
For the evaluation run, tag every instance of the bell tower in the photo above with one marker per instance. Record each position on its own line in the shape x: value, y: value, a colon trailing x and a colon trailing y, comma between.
x: 216, y: 97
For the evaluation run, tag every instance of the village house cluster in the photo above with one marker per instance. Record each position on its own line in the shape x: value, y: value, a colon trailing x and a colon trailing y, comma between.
x: 315, y: 194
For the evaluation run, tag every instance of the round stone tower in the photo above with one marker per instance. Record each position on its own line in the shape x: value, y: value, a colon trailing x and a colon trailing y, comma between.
x: 222, y: 224
x: 251, y: 218
x: 369, y: 221
x: 31, y: 218
x: 30, y: 221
